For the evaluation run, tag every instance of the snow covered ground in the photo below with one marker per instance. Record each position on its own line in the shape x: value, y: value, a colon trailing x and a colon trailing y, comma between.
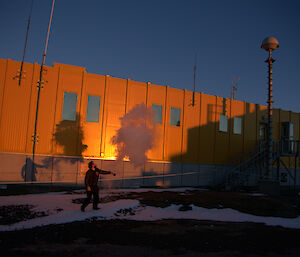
x: 61, y: 209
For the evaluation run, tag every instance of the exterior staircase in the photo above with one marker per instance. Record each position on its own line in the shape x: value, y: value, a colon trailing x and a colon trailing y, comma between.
x: 248, y: 168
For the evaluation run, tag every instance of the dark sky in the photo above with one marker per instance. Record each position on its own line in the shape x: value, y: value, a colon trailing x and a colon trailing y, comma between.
x: 157, y: 41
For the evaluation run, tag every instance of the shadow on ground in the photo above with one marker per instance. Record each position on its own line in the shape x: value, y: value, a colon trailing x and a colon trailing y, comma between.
x: 172, y: 237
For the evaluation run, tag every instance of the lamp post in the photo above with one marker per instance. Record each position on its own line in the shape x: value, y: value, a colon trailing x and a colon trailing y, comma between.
x: 269, y: 44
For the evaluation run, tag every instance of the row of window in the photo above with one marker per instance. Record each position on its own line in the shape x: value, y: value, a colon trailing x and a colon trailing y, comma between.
x: 174, y: 117
x: 70, y: 103
x: 93, y: 111
x: 287, y: 130
x: 237, y: 124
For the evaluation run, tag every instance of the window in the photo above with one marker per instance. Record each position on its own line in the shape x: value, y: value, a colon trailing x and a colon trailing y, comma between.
x: 287, y: 130
x: 262, y: 131
x: 157, y: 113
x: 69, y: 106
x: 93, y: 109
x: 237, y: 125
x: 223, y: 126
x: 287, y: 135
x: 175, y: 117
x: 291, y: 131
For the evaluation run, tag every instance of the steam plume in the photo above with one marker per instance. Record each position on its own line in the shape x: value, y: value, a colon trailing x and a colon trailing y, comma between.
x: 136, y: 135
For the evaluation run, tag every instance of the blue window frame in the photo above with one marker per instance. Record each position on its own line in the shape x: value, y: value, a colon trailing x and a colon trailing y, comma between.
x: 93, y: 108
x: 157, y: 111
x: 237, y: 125
x: 69, y: 106
x: 175, y: 117
x: 223, y: 125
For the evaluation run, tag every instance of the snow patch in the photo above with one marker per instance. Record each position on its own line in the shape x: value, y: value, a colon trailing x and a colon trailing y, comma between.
x: 125, y: 209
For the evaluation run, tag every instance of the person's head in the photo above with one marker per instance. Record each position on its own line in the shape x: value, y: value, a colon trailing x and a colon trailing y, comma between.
x: 91, y: 165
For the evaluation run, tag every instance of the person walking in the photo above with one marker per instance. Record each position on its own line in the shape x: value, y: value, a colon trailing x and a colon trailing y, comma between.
x: 91, y: 184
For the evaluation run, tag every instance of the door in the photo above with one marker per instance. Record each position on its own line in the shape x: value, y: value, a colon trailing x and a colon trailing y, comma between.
x: 287, y: 137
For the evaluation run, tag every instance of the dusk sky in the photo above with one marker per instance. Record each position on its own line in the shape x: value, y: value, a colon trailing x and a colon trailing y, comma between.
x: 156, y: 41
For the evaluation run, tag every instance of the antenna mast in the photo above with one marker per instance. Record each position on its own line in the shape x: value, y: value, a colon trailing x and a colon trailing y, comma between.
x: 26, y: 39
x: 40, y: 85
x: 195, y: 69
x: 234, y: 86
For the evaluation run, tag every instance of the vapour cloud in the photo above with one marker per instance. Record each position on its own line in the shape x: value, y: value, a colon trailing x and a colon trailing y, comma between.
x: 136, y: 136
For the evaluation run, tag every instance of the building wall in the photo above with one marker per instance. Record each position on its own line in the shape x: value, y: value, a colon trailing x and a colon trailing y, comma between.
x: 196, y: 141
x: 93, y: 85
x: 157, y: 95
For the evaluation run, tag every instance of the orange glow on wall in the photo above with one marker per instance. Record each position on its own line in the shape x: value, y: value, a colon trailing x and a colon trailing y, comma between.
x: 196, y: 139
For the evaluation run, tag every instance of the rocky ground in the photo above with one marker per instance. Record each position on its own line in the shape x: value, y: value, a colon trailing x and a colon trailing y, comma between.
x: 164, y: 237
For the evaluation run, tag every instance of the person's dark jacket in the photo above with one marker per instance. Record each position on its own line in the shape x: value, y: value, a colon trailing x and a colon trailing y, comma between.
x: 92, y: 176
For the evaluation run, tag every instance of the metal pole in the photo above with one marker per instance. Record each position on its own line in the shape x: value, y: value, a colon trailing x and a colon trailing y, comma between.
x: 295, y: 174
x: 195, y: 69
x: 270, y: 114
x: 40, y: 82
x: 234, y: 90
x: 26, y: 39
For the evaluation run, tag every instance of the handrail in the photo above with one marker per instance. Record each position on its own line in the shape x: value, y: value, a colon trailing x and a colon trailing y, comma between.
x: 238, y: 168
x: 246, y: 155
x: 279, y: 147
x: 286, y: 147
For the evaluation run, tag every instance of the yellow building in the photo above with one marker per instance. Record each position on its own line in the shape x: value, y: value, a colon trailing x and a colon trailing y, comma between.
x: 79, y: 113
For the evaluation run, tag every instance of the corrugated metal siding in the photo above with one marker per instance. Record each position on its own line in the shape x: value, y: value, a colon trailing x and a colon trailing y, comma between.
x: 15, y: 108
x: 173, y: 134
x: 93, y: 85
x: 191, y: 127
x: 197, y: 139
x: 114, y: 110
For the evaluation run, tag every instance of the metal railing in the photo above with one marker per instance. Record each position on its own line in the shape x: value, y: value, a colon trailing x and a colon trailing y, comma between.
x: 239, y: 169
x: 286, y: 147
